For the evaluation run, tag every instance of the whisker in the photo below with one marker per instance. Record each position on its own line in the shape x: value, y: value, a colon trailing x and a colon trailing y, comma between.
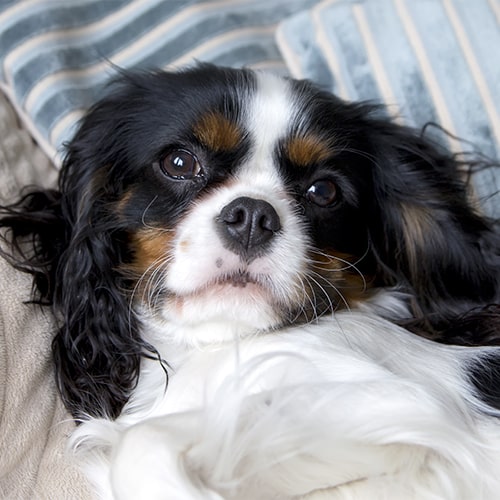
x: 313, y: 300
x: 143, y: 216
x: 361, y: 153
x: 339, y: 293
x: 320, y: 288
x: 146, y: 225
x: 336, y: 257
x: 306, y: 297
x: 150, y: 279
x: 349, y: 266
x: 152, y: 285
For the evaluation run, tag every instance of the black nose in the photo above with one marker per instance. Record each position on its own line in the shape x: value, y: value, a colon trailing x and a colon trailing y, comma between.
x: 246, y: 225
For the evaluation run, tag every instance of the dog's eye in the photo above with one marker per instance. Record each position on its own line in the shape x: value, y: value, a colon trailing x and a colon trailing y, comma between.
x: 322, y: 193
x: 180, y: 164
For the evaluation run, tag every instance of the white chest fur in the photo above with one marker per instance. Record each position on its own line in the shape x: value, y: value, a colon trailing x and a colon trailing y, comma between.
x: 352, y: 407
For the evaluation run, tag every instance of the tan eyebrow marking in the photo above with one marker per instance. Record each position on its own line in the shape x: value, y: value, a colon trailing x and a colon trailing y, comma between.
x: 217, y: 132
x: 307, y: 149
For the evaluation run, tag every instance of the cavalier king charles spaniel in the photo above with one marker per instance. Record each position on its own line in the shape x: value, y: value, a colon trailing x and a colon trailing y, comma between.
x: 264, y: 291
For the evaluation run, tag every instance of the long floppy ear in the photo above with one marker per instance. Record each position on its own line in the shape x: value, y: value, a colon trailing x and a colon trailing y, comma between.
x: 73, y: 243
x: 98, y: 349
x: 427, y: 235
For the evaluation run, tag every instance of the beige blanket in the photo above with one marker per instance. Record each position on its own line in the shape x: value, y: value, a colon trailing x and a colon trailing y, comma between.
x: 34, y: 425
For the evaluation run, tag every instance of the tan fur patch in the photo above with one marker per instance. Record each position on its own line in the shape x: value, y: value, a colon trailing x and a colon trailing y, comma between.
x: 217, y: 133
x: 337, y: 275
x: 307, y: 150
x: 184, y: 246
x: 151, y: 248
x: 418, y: 227
x: 123, y: 202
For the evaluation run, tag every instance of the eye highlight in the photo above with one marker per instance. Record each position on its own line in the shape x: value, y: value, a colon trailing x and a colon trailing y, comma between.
x: 180, y: 164
x: 322, y: 193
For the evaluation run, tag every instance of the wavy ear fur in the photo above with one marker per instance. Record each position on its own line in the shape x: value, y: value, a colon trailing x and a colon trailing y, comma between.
x: 427, y: 235
x: 98, y: 350
x: 75, y: 253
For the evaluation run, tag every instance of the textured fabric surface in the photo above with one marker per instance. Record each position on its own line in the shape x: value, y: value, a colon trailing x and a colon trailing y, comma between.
x: 33, y: 423
x: 56, y: 56
x: 427, y: 60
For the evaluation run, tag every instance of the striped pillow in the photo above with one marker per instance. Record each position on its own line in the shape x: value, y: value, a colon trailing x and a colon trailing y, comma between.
x: 428, y: 60
x: 55, y: 56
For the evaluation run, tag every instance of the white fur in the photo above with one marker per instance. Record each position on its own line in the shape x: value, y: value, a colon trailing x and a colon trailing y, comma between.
x: 198, y: 258
x: 353, y: 407
x: 349, y: 407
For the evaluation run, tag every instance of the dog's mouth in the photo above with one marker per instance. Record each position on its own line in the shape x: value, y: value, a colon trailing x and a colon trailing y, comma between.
x: 235, y: 285
x: 239, y: 279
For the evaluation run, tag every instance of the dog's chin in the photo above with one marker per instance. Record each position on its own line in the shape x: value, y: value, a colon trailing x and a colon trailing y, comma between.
x: 231, y: 307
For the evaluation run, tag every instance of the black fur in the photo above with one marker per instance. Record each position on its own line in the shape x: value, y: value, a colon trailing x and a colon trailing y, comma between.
x: 451, y: 264
x: 403, y: 199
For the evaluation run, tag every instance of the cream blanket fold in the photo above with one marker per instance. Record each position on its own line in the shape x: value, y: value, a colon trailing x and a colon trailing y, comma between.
x: 34, y: 425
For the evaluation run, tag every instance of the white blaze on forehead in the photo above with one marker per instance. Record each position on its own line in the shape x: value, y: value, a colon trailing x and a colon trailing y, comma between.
x: 271, y: 109
x: 268, y: 115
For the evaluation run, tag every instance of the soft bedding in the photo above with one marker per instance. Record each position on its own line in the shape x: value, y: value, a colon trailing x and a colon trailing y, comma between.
x: 33, y: 422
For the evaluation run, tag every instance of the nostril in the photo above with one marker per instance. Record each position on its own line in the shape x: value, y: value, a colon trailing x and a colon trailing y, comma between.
x: 246, y: 224
x: 270, y: 221
x: 234, y: 215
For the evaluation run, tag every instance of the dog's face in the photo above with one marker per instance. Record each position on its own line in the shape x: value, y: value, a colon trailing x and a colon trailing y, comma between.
x: 244, y: 202
x: 252, y: 201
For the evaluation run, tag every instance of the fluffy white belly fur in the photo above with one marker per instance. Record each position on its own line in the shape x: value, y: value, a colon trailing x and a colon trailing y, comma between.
x: 350, y: 408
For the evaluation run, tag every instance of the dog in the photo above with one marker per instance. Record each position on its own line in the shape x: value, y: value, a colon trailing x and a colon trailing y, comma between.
x: 264, y: 291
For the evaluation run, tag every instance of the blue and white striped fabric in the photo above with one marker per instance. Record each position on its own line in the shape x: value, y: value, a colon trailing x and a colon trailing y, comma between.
x: 56, y: 55
x: 428, y: 60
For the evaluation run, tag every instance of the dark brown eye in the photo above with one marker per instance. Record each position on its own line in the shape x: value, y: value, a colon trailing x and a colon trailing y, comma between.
x: 322, y: 193
x: 180, y: 164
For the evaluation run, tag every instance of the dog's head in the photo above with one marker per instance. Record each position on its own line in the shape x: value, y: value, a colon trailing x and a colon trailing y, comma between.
x: 228, y: 202
x: 246, y: 208
x: 230, y: 198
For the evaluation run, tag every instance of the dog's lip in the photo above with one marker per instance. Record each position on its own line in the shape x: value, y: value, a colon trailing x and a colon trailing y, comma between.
x: 238, y: 279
